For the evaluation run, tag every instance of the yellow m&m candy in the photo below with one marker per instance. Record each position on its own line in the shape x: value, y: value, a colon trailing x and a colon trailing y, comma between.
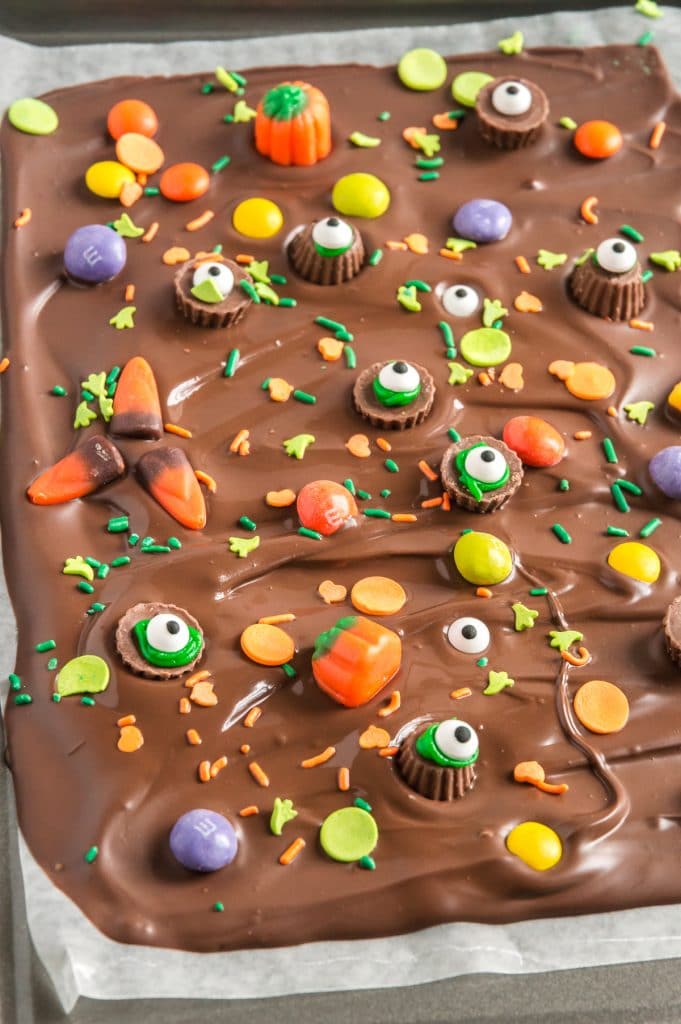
x: 535, y: 844
x: 257, y: 218
x: 360, y: 195
x: 482, y: 558
x: 107, y: 177
x: 635, y: 560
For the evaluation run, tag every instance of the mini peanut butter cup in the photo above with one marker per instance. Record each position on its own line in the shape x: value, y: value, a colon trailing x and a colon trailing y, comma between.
x: 434, y: 781
x: 327, y: 264
x: 511, y: 112
x: 209, y: 292
x: 607, y: 293
x: 481, y: 473
x: 135, y: 645
x: 388, y: 405
x: 672, y: 630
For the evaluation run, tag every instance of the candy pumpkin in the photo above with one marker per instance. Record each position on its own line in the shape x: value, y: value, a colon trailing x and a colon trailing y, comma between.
x: 292, y: 125
x: 355, y: 659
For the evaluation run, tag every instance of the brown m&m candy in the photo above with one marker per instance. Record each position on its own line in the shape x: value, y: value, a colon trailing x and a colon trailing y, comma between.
x: 607, y: 282
x: 328, y: 251
x: 481, y: 473
x: 209, y: 293
x: 439, y: 762
x: 511, y: 112
x: 394, y: 395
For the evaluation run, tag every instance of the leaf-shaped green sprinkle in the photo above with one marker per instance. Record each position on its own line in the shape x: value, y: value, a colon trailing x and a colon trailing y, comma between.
x: 564, y: 638
x: 458, y: 374
x: 124, y: 318
x: 282, y: 812
x: 226, y: 80
x: 648, y: 8
x: 259, y: 270
x: 524, y: 616
x: 96, y: 383
x: 460, y: 244
x: 428, y: 144
x: 364, y: 141
x: 207, y: 291
x: 126, y: 228
x: 77, y: 566
x: 84, y: 416
x: 549, y: 260
x: 297, y: 446
x: 638, y: 411
x: 242, y: 546
x: 584, y: 257
x: 492, y: 311
x: 266, y: 293
x: 242, y: 113
x: 512, y: 44
x: 497, y: 681
x: 670, y: 259
x: 406, y: 296
x: 106, y: 407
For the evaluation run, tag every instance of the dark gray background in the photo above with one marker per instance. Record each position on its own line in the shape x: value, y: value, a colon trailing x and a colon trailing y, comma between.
x: 632, y: 993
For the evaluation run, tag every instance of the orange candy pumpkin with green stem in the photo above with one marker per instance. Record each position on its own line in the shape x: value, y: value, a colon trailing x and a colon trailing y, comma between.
x: 354, y: 660
x: 293, y: 125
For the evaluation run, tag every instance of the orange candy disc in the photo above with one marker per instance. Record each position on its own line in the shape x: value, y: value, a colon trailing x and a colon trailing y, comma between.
x: 267, y: 645
x: 139, y: 153
x: 183, y: 182
x: 598, y: 139
x: 601, y: 707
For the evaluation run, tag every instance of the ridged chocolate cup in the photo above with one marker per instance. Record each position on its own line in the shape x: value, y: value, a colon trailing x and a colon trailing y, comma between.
x: 609, y: 296
x: 434, y: 781
x: 672, y: 630
x: 511, y: 131
x: 325, y: 270
x: 206, y: 314
x: 129, y: 651
x: 491, y: 500
x: 400, y: 417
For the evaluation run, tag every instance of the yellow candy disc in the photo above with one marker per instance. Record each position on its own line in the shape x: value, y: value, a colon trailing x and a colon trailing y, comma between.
x: 482, y: 558
x: 257, y: 218
x: 635, y: 560
x: 535, y: 844
x: 107, y: 177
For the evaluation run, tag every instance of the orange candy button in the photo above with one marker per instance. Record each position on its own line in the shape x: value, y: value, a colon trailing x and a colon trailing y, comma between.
x: 267, y: 645
x: 601, y: 707
x: 184, y: 182
x: 140, y: 154
x: 598, y: 139
x: 131, y: 116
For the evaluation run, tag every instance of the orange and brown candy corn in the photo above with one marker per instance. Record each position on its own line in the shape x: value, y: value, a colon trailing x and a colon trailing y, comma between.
x: 168, y: 476
x: 94, y: 464
x: 136, y: 405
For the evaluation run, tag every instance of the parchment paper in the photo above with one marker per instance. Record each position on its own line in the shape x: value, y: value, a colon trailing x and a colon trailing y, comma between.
x: 82, y: 961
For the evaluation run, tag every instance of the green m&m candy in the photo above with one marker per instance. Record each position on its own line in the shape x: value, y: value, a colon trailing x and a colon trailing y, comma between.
x: 360, y: 195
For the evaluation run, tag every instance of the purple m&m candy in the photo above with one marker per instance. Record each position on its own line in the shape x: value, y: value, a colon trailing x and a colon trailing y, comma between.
x: 665, y: 469
x: 482, y: 220
x: 94, y: 254
x: 203, y: 840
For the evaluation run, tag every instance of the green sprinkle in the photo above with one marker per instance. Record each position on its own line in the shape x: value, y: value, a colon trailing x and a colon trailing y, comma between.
x: 331, y: 325
x: 482, y: 662
x: 343, y: 335
x: 367, y: 862
x: 156, y: 549
x: 96, y: 607
x: 670, y: 259
x: 650, y: 527
x: 391, y: 466
x: 609, y: 449
x: 23, y: 698
x: 207, y: 88
x: 428, y: 165
x: 451, y: 353
x: 563, y: 485
x: 133, y: 538
x: 103, y: 571
x: 385, y: 493
x: 645, y: 39
x: 226, y: 79
x: 45, y: 645
x: 287, y: 303
x: 421, y: 286
x: 350, y: 357
x: 14, y: 681
x: 350, y: 486
x: 539, y: 592
x: 86, y: 587
x: 632, y: 233
x: 121, y: 560
x: 124, y: 318
x: 92, y: 854
x: 646, y: 276
x: 561, y: 533
x: 312, y: 534
x: 265, y: 384
x: 217, y: 248
x: 304, y: 397
x: 643, y: 350
x: 232, y: 362
x: 363, y: 141
x: 637, y: 412
x: 247, y: 287
x: 384, y: 115
x: 295, y: 447
x: 616, y: 531
x: 218, y: 907
x: 375, y: 258
x: 376, y: 513
x: 289, y: 671
x: 247, y: 523
x: 174, y: 543
x: 429, y: 176
x: 59, y: 391
x: 112, y: 376
x: 52, y: 664
x: 89, y: 702
x: 119, y: 524
x: 512, y: 44
x: 220, y: 164
x: 152, y: 190
x: 621, y: 503
x: 453, y: 435
x: 359, y: 802
x: 56, y: 697
x: 627, y: 485
x: 447, y: 335
x: 94, y: 563
x: 567, y: 122
x: 456, y: 115
x: 548, y: 260
x: 364, y: 495
x: 648, y: 8
x: 278, y: 279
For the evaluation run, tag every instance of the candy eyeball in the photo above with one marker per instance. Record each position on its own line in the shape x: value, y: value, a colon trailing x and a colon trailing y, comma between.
x: 511, y: 99
x: 399, y: 376
x: 485, y: 464
x: 219, y: 274
x: 457, y: 740
x: 460, y: 300
x: 332, y: 236
x: 616, y: 256
x: 468, y: 635
x: 167, y: 633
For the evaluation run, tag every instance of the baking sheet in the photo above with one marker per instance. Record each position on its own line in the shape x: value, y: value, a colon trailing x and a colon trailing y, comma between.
x: 79, y: 959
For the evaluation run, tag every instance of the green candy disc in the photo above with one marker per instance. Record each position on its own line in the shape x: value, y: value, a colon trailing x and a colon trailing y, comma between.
x: 86, y: 674
x: 467, y: 85
x: 348, y: 834
x: 485, y: 346
x: 33, y: 117
x: 422, y: 70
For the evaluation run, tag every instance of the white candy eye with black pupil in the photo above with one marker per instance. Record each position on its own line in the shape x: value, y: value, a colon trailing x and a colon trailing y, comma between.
x: 468, y: 635
x: 221, y: 276
x: 167, y: 633
x: 511, y: 99
x: 332, y: 233
x: 485, y: 464
x: 616, y: 256
x: 399, y: 376
x: 457, y: 740
x: 460, y: 300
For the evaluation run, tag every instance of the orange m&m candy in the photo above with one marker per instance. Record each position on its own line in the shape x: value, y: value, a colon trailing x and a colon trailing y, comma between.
x: 598, y: 139
x: 131, y: 116
x: 325, y: 506
x: 183, y: 182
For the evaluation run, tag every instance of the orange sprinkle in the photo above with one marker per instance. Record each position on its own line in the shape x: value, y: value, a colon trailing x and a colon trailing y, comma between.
x: 532, y: 772
x: 210, y: 256
x: 274, y: 620
x: 217, y: 766
x: 252, y: 717
x: 244, y: 258
x: 431, y: 503
x: 484, y: 378
x: 358, y: 445
x: 449, y: 254
x: 193, y: 737
x: 403, y: 517
x: 426, y: 470
x: 409, y: 135
x: 203, y: 695
x: 332, y: 593
x: 172, y: 428
x: 384, y: 445
x: 586, y: 210
x: 4, y: 364
x: 242, y: 436
x: 126, y: 720
x: 446, y: 502
x: 373, y: 737
x: 130, y: 739
x: 176, y: 254
x: 525, y: 302
x: 642, y: 325
x: 204, y: 771
x: 313, y: 762
x: 388, y: 751
x: 245, y: 448
x: 197, y: 677
x: 657, y: 134
x: 582, y: 435
x: 416, y: 243
x: 185, y: 706
x: 522, y: 265
x: 612, y: 411
x: 280, y: 499
x: 245, y: 748
x: 483, y: 592
x: 142, y: 178
x: 129, y: 293
x: 396, y: 246
x: 292, y: 851
x: 512, y: 377
x: 151, y: 232
x: 392, y: 706
x: 344, y: 779
x: 130, y: 192
x: 248, y: 812
x: 463, y: 691
x: 200, y: 221
x: 280, y: 390
x: 583, y: 657
x: 444, y: 122
x: 330, y: 349
x: 207, y: 479
x: 24, y: 217
x: 258, y: 774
